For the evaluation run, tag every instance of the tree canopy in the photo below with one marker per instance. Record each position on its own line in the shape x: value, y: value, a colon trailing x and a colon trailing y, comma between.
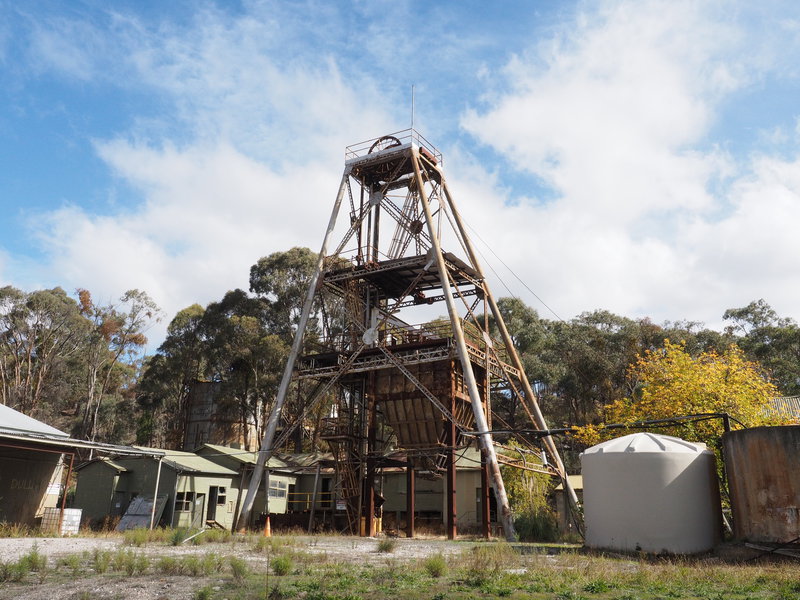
x: 78, y: 364
x: 668, y: 382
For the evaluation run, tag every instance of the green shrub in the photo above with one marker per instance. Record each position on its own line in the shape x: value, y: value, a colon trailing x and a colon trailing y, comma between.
x: 435, y: 565
x: 387, y: 545
x: 281, y: 565
x: 239, y: 568
x: 216, y: 536
x: 101, y: 560
x: 204, y: 593
x: 130, y: 562
x: 178, y: 535
x: 486, y: 562
x: 192, y: 565
x: 136, y: 537
x: 169, y: 565
x: 597, y: 586
x: 536, y: 524
x: 119, y: 558
x: 72, y: 562
x: 12, y: 571
x: 33, y: 560
x: 140, y: 564
x: 211, y: 563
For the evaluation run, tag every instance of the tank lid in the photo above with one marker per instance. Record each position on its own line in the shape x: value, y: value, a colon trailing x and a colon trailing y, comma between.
x: 647, y: 442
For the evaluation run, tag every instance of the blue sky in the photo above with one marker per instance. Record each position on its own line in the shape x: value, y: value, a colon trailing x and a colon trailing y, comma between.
x: 637, y: 156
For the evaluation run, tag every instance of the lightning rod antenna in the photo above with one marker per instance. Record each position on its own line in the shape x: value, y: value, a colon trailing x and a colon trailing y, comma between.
x: 412, y: 106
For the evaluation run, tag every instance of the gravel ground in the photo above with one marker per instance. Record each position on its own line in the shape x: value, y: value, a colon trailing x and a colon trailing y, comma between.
x: 160, y: 587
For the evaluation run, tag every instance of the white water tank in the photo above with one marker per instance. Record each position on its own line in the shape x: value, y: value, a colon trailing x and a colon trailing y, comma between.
x: 651, y: 493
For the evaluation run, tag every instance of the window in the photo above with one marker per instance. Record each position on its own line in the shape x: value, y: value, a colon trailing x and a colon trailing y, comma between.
x: 277, y: 489
x: 221, y: 497
x: 184, y: 501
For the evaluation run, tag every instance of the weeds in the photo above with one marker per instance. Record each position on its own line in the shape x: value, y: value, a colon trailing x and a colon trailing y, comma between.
x: 272, y: 544
x: 204, y: 593
x: 239, y: 568
x: 487, y: 570
x: 281, y: 565
x: 486, y: 562
x: 33, y: 560
x: 169, y: 565
x: 435, y: 565
x: 15, y: 530
x: 177, y: 536
x: 74, y: 562
x: 136, y: 537
x: 101, y: 560
x: 12, y: 571
x: 387, y: 545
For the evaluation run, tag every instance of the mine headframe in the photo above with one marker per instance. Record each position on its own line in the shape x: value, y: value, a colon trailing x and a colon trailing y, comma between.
x: 425, y: 386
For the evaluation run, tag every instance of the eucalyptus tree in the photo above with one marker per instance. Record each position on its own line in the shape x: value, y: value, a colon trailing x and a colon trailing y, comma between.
x: 116, y: 338
x: 772, y: 340
x: 40, y: 332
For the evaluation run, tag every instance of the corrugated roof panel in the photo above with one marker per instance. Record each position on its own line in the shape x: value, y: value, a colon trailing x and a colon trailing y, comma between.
x: 14, y: 421
x: 787, y: 407
x: 186, y: 461
x: 244, y: 456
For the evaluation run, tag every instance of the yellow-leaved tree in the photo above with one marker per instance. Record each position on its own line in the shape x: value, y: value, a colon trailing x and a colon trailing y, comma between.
x: 670, y: 383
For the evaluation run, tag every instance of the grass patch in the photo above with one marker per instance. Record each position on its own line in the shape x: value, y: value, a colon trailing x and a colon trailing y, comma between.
x: 239, y: 568
x: 282, y: 565
x: 483, y: 571
x: 15, y: 530
x: 435, y: 566
x: 387, y: 545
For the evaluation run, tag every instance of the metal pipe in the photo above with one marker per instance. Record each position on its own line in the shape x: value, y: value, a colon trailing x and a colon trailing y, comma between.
x: 64, y: 498
x: 411, y: 489
x: 314, y: 498
x: 469, y: 377
x: 266, y: 450
x: 174, y: 498
x: 155, y: 493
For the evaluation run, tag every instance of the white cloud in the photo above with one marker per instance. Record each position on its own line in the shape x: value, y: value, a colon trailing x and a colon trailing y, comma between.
x: 209, y: 214
x: 244, y: 161
x: 239, y: 150
x: 615, y: 115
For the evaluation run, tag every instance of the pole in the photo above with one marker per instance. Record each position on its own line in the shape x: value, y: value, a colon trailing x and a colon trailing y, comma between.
x: 469, y: 376
x: 314, y: 499
x: 64, y: 497
x: 267, y: 529
x: 155, y: 493
x: 410, y: 498
x: 512, y: 351
x: 266, y: 449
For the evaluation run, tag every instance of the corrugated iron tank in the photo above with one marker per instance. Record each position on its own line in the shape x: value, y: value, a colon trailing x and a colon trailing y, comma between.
x: 763, y: 467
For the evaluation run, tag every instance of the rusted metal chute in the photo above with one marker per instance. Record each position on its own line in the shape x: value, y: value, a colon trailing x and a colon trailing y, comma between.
x: 422, y: 388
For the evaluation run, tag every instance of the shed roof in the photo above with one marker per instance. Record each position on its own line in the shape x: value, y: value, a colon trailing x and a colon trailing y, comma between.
x: 103, y: 461
x: 188, y: 462
x: 20, y: 428
x: 13, y: 421
x: 306, y: 460
x: 241, y: 456
x: 787, y: 407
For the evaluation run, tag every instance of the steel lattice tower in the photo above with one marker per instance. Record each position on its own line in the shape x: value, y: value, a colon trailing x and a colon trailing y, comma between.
x: 427, y: 388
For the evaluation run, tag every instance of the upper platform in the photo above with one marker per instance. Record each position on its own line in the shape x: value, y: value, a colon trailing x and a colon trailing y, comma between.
x: 384, y: 161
